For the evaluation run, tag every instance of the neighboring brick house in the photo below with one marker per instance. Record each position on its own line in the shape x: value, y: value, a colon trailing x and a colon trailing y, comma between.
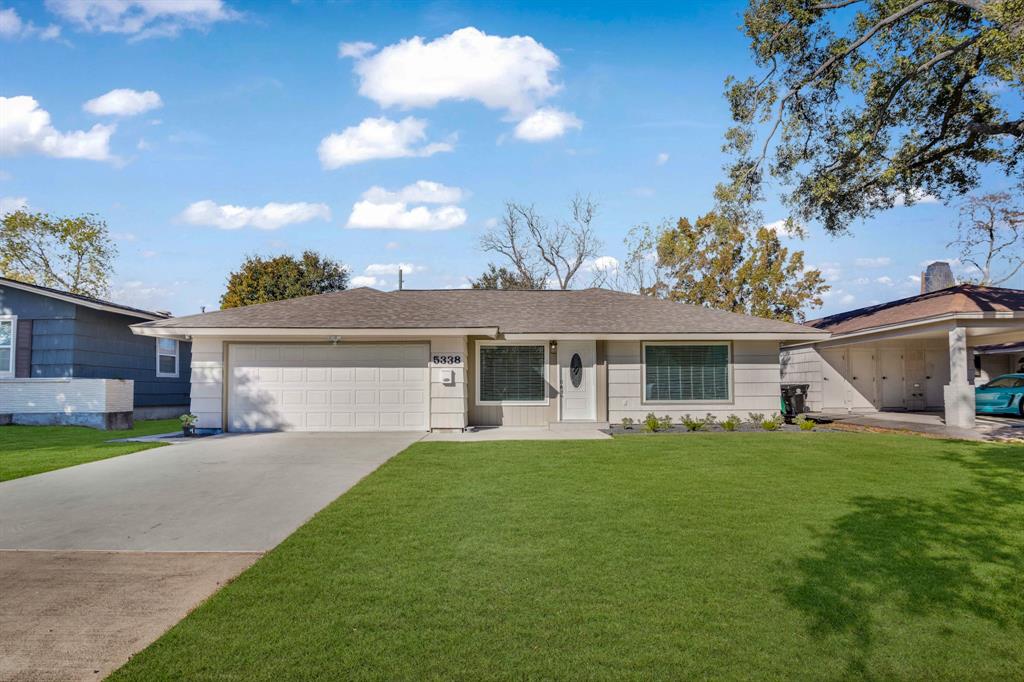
x: 50, y: 334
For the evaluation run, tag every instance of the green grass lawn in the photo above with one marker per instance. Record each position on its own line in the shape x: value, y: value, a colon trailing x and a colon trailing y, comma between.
x: 823, y: 555
x: 27, y: 450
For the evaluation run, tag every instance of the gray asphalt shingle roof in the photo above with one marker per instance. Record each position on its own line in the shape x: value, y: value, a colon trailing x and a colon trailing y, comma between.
x: 597, y: 311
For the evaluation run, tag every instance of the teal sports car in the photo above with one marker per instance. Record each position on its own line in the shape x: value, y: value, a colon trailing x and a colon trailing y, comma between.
x: 1002, y: 395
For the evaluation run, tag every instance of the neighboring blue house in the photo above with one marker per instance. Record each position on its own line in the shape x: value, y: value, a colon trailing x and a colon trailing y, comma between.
x: 47, y: 333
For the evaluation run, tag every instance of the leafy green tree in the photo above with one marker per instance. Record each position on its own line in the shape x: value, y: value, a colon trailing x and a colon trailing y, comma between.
x: 714, y: 262
x: 75, y: 254
x: 262, y: 280
x: 865, y: 104
x: 503, y: 278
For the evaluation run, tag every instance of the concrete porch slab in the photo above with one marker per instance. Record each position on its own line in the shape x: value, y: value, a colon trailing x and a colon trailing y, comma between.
x: 485, y: 433
x: 987, y: 428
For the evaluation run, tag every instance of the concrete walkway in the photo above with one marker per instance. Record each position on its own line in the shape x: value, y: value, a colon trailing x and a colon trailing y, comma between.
x: 987, y: 428
x: 486, y: 433
x: 102, y: 558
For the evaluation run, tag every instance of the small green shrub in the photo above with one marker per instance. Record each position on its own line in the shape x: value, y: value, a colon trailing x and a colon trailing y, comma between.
x: 652, y: 423
x: 804, y: 423
x: 772, y: 423
x: 627, y: 422
x: 693, y: 424
x: 731, y: 423
x: 709, y: 420
x: 666, y: 423
x: 188, y: 419
x: 756, y: 418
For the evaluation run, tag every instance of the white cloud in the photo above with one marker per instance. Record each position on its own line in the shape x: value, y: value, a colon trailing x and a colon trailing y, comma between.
x: 13, y: 27
x: 879, y: 262
x: 139, y: 294
x: 123, y: 102
x: 356, y: 50
x: 367, y: 281
x: 391, y: 246
x: 662, y: 159
x: 846, y: 299
x: 269, y: 217
x: 378, y: 138
x: 546, y: 124
x: 12, y: 204
x: 512, y: 73
x: 829, y: 270
x: 644, y: 192
x: 919, y: 196
x: 885, y: 280
x: 384, y: 209
x: 606, y: 264
x: 143, y: 18
x: 26, y: 128
x: 783, y: 228
x: 420, y: 192
x: 393, y: 268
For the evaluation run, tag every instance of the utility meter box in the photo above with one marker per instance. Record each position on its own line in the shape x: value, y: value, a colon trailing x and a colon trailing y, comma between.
x: 448, y: 377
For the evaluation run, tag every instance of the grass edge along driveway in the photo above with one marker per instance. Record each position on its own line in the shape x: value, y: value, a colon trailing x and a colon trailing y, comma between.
x: 721, y: 555
x: 28, y: 450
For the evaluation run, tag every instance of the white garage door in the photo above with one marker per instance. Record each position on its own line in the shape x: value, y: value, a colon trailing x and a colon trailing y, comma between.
x: 357, y: 387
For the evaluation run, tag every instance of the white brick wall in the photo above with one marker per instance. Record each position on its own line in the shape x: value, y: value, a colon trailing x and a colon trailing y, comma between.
x: 66, y: 396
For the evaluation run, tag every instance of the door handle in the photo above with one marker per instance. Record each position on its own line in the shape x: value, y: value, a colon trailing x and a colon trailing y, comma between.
x: 884, y: 378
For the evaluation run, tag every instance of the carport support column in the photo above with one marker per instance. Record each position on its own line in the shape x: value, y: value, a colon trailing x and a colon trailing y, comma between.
x: 959, y: 393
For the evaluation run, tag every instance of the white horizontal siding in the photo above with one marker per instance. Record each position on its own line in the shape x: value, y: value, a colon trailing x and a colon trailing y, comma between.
x: 755, y: 383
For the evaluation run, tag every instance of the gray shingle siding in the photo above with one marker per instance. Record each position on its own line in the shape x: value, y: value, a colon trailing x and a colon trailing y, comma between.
x: 70, y: 340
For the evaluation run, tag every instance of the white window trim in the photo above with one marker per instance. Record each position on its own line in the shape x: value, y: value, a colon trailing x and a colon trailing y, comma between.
x: 521, y: 403
x: 177, y: 360
x: 13, y: 368
x: 643, y: 373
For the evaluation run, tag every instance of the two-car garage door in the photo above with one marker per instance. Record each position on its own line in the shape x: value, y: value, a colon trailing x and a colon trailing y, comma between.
x: 351, y: 387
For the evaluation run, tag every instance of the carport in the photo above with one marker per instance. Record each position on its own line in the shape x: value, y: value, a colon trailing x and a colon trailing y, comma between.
x: 914, y: 354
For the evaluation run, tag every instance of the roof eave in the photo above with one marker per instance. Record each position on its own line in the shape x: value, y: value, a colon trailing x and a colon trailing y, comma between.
x: 308, y: 332
x: 95, y: 305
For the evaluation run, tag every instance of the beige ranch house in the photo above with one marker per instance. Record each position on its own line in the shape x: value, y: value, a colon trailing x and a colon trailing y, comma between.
x: 366, y: 360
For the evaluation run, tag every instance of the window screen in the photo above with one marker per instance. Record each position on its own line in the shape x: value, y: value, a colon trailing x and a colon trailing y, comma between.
x: 6, y: 346
x: 687, y: 372
x: 512, y: 374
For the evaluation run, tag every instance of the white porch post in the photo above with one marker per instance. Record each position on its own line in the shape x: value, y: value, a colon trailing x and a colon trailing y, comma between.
x: 959, y: 393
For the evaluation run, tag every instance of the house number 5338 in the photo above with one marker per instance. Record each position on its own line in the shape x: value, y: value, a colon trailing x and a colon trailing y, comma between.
x: 449, y: 360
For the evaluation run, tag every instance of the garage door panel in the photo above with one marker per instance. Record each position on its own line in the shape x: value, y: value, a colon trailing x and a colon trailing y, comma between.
x: 361, y: 387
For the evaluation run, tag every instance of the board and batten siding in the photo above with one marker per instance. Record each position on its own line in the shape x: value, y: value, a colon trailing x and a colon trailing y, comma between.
x: 755, y: 383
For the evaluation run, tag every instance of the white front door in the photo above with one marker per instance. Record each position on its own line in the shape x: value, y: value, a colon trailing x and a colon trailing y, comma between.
x: 833, y: 388
x: 577, y: 380
x: 862, y: 379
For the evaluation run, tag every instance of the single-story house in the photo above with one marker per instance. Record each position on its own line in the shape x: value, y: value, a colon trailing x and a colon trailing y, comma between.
x: 366, y: 360
x: 61, y: 354
x: 925, y: 352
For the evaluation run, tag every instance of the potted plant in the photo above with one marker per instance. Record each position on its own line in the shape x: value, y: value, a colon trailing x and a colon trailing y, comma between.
x: 188, y: 424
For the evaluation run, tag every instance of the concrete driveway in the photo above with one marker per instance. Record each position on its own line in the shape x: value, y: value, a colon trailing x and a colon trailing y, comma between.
x: 98, y: 560
x: 236, y: 493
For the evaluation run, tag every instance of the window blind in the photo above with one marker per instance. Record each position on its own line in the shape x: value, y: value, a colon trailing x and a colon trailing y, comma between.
x: 512, y: 373
x: 687, y: 372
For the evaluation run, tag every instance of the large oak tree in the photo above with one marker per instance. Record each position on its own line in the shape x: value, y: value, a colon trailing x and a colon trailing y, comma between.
x: 864, y: 104
x: 261, y: 280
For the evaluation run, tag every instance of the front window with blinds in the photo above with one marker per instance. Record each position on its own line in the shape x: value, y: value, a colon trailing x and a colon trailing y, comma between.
x: 687, y: 372
x: 166, y: 358
x: 512, y: 374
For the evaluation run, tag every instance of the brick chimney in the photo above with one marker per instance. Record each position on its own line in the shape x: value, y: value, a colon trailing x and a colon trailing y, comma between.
x: 936, y: 276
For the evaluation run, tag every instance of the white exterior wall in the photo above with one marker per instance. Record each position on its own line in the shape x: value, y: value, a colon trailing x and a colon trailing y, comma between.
x: 448, y: 403
x: 448, y: 407
x: 922, y: 369
x: 65, y: 396
x: 755, y: 383
x: 207, y: 395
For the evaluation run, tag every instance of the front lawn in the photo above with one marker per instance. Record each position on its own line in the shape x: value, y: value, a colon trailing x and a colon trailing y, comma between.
x: 27, y: 450
x: 822, y: 556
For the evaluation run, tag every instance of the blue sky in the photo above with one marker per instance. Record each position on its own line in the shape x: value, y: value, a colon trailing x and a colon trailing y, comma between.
x: 235, y: 128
